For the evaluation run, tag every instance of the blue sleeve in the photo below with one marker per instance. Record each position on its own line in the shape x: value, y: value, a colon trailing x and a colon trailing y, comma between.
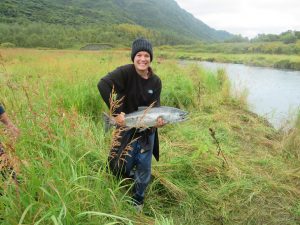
x: 1, y: 110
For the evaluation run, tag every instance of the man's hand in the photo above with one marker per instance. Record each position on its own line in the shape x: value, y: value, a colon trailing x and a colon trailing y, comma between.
x: 120, y: 119
x: 160, y: 122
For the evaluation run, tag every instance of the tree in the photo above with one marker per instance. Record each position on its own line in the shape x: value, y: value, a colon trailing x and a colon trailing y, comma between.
x: 288, y: 37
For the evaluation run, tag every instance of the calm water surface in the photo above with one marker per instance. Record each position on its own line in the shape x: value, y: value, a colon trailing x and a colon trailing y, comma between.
x: 272, y: 93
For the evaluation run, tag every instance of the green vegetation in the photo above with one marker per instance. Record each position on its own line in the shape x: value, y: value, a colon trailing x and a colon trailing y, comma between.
x: 64, y: 24
x: 34, y: 35
x: 61, y: 155
x: 253, y: 54
x: 96, y: 25
x: 276, y: 48
x: 287, y: 37
x: 260, y: 51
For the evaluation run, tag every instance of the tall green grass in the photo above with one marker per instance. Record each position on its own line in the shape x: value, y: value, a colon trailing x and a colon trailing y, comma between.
x: 291, y: 141
x: 53, y: 98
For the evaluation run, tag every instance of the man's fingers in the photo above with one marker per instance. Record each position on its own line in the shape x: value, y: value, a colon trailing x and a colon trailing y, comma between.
x: 160, y: 122
x: 120, y: 119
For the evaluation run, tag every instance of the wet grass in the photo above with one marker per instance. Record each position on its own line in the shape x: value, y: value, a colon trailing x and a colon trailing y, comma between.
x: 52, y: 97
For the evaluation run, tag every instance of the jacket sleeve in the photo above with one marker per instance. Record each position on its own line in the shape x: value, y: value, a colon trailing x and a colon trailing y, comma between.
x: 116, y: 80
x: 1, y: 110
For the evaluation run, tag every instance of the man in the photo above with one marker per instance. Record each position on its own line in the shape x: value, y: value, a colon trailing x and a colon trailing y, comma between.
x: 135, y: 85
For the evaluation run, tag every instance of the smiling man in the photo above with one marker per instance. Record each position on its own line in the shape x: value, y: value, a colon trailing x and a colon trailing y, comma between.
x: 138, y: 86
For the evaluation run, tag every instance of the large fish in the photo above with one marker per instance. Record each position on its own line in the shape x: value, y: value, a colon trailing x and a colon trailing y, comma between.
x: 147, y: 117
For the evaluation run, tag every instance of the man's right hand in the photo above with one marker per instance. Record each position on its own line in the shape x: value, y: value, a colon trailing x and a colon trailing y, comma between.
x: 120, y: 119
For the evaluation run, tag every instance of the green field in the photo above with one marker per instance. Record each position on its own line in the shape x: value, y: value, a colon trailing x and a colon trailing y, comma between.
x: 61, y: 155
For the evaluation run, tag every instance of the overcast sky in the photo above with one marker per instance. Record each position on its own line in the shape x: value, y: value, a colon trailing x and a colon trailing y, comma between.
x: 246, y: 17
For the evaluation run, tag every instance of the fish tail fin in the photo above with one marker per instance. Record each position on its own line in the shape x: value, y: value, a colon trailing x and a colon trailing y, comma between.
x: 107, y: 122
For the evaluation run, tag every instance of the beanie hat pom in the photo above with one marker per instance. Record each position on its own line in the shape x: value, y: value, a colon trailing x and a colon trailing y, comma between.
x: 139, y: 45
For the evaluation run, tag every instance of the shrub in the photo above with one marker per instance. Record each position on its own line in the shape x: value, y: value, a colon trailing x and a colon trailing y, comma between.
x: 283, y: 64
x: 7, y: 45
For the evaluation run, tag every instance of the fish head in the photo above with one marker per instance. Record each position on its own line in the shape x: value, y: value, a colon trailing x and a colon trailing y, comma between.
x: 176, y: 115
x: 182, y: 115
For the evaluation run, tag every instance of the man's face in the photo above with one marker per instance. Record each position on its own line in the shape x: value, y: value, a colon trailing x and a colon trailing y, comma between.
x: 142, y: 61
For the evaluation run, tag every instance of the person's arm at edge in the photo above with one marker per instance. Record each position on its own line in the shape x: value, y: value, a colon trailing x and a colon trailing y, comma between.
x: 7, y: 122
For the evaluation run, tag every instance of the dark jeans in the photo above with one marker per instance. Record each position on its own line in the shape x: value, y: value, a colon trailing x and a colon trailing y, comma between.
x: 139, y: 163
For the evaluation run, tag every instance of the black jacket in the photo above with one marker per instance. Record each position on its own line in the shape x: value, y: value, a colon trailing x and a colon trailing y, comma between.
x: 135, y: 90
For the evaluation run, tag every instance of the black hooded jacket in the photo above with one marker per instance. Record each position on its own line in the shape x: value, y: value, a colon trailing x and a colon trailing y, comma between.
x: 136, y: 91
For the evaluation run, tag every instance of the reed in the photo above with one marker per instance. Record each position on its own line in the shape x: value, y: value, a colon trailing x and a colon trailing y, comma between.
x: 291, y: 141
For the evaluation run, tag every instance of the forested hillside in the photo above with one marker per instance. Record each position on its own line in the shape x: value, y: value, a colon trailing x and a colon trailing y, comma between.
x: 65, y: 23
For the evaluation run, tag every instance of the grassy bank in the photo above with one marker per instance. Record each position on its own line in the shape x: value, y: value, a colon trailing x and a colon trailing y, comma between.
x: 61, y: 155
x: 280, y: 61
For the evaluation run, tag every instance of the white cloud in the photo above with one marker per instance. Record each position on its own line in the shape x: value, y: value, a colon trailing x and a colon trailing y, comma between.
x: 246, y: 17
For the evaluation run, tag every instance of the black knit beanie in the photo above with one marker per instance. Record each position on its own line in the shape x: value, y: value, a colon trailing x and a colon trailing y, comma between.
x: 141, y: 44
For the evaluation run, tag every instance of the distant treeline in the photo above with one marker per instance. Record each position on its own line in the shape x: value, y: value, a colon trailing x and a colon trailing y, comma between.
x: 287, y: 37
x: 43, y: 35
x: 275, y: 47
x: 287, y: 43
x: 32, y: 35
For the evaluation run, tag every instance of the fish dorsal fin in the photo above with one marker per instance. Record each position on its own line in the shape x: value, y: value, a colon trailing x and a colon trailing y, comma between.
x: 142, y: 108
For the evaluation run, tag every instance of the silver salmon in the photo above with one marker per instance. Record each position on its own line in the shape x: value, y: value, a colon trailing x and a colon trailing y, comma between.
x: 147, y: 117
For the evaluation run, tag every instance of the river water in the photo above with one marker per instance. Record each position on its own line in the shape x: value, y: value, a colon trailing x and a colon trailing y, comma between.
x: 272, y: 93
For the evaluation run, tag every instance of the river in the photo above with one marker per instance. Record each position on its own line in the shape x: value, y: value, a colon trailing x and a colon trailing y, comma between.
x: 272, y: 93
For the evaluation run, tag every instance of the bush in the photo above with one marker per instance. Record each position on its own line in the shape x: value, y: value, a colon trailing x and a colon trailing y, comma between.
x: 7, y: 45
x: 283, y: 64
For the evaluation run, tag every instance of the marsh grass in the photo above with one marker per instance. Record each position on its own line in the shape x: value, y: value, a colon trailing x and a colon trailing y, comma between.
x: 291, y: 141
x: 52, y: 97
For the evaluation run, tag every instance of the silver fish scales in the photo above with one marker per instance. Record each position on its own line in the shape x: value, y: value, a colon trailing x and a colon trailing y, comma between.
x: 147, y: 116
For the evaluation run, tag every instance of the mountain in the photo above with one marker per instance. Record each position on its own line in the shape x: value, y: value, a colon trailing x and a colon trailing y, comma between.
x: 161, y: 16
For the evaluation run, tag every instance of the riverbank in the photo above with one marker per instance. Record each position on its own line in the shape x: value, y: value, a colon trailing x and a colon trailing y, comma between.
x: 52, y: 97
x: 271, y: 93
x: 287, y: 62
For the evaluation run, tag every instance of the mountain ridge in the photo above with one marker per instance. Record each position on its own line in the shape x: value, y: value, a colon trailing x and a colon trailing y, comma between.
x: 162, y: 16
